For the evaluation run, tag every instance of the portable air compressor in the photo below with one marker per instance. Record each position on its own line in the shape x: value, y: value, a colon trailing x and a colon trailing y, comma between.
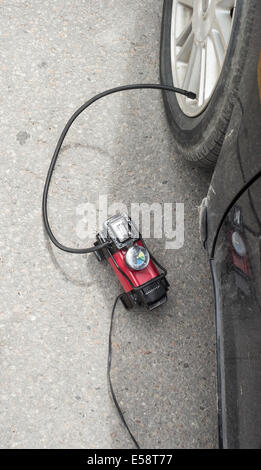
x: 132, y: 263
x: 120, y: 242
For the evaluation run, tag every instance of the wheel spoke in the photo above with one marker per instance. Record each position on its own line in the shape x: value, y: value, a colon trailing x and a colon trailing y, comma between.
x: 192, y: 76
x: 187, y: 3
x: 222, y: 25
x: 184, y: 53
x: 203, y: 73
x: 213, y: 67
x: 218, y: 48
x: 183, y: 36
x: 227, y: 4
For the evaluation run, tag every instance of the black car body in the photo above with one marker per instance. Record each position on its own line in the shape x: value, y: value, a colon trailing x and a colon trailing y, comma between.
x: 231, y: 233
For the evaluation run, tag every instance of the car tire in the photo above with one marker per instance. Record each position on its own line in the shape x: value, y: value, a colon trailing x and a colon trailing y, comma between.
x: 199, y: 139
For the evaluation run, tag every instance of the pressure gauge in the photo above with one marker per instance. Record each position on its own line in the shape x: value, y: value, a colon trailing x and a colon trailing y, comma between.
x: 137, y: 257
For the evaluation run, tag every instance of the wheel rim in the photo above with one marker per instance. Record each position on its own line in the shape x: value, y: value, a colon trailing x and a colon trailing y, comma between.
x: 200, y: 35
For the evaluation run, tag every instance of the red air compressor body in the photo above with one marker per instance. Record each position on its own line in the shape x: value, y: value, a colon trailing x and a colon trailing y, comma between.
x: 133, y: 264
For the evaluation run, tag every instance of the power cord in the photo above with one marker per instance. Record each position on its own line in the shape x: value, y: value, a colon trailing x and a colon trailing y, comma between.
x: 59, y: 245
x: 189, y: 94
x: 115, y: 401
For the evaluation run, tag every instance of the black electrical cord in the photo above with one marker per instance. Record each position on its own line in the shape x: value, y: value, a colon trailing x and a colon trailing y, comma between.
x: 189, y: 94
x: 109, y: 376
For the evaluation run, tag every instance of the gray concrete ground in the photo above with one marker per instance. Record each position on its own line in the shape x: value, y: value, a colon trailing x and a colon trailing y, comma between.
x: 55, y: 307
